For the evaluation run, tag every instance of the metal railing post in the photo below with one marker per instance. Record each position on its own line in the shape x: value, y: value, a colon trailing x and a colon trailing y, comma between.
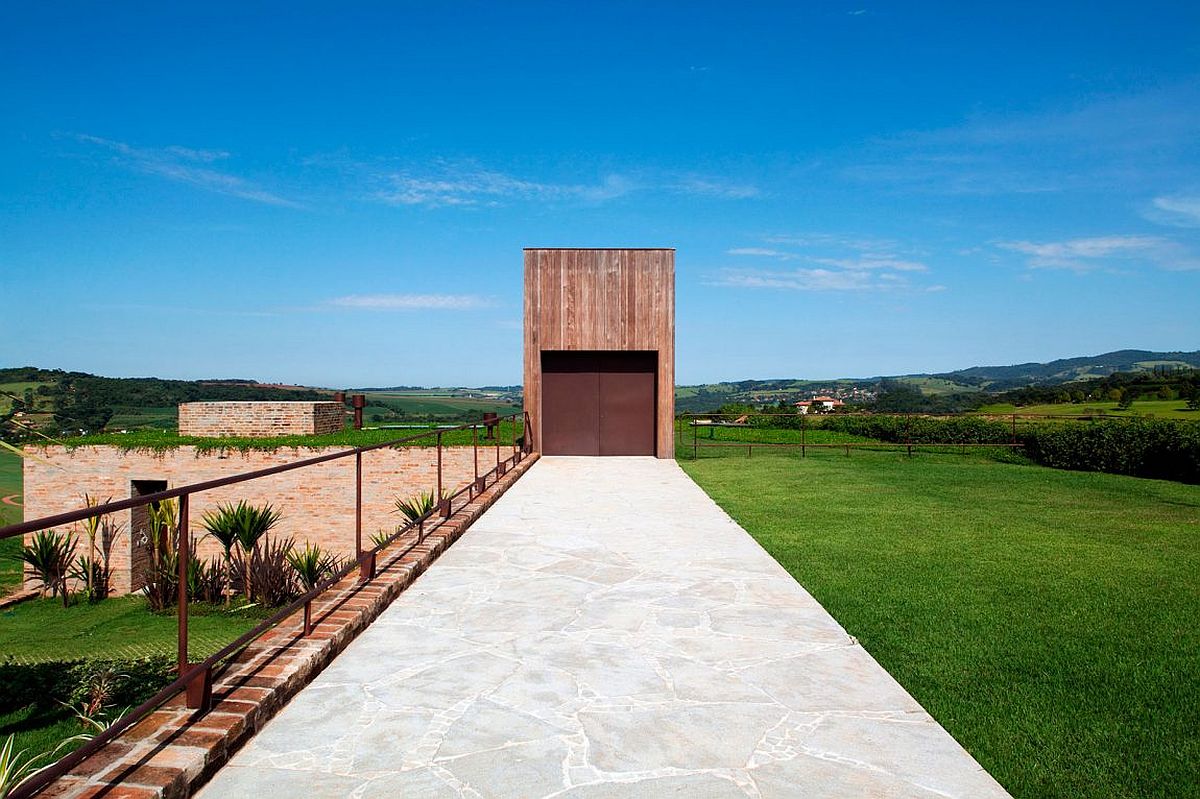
x: 803, y: 437
x: 358, y: 550
x: 695, y: 439
x: 184, y: 556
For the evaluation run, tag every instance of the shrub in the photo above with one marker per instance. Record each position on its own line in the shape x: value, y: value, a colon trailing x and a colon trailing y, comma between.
x: 268, y: 575
x: 49, y: 557
x: 415, y: 507
x: 312, y: 565
x: 1162, y: 449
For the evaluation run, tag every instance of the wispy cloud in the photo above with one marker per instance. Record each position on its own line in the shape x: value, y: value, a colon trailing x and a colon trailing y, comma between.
x: 827, y: 263
x: 1176, y: 210
x: 411, y: 302
x: 1118, y: 141
x: 449, y: 184
x: 1104, y: 253
x: 183, y: 165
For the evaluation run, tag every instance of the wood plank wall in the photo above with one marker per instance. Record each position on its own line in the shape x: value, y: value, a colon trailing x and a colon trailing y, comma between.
x: 609, y: 299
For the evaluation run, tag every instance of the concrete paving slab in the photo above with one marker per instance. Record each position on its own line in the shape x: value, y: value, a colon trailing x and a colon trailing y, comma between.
x: 604, y: 630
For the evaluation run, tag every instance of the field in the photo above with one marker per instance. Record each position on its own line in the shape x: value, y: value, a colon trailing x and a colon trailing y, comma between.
x: 10, y: 484
x: 1158, y: 409
x: 1046, y: 618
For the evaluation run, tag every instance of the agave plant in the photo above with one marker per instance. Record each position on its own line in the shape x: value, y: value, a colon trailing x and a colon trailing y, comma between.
x: 49, y: 556
x: 312, y: 564
x: 417, y: 506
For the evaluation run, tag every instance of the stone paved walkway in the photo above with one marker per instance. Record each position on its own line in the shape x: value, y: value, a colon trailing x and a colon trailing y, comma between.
x: 604, y: 630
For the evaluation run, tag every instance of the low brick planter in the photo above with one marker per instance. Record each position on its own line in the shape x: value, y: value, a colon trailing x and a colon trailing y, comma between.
x: 173, y: 751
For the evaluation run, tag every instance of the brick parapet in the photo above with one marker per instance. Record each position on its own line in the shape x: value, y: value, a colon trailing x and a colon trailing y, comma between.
x: 173, y: 751
x: 317, y: 502
x: 260, y: 419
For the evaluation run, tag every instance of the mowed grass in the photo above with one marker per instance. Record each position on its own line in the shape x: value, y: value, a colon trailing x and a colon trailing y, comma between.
x: 42, y: 629
x: 120, y: 627
x: 1046, y: 618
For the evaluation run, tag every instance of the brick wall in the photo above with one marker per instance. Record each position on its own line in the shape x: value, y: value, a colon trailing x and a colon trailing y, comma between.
x: 215, y: 419
x: 317, y: 502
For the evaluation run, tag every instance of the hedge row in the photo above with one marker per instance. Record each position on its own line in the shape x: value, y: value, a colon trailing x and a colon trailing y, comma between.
x: 1144, y: 448
x: 49, y: 683
x: 921, y: 429
x: 1163, y: 449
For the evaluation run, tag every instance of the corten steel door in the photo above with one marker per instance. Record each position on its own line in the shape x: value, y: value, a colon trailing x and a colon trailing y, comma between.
x: 598, y: 403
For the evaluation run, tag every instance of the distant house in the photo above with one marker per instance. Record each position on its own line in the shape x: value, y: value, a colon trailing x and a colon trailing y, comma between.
x: 818, y: 404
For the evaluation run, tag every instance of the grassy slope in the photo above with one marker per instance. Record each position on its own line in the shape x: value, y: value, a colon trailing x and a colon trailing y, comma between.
x: 1046, y: 618
x: 10, y: 483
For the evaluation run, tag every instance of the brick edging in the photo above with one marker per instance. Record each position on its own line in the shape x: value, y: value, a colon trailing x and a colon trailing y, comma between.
x: 172, y: 752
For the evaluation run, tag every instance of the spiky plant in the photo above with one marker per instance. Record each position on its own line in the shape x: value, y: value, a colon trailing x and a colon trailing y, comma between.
x: 252, y: 522
x: 417, y: 506
x: 312, y: 564
x: 49, y: 556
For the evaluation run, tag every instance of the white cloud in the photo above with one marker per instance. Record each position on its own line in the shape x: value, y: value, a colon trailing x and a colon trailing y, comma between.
x: 411, y: 302
x: 797, y: 280
x: 1179, y: 210
x: 447, y: 184
x: 868, y: 262
x: 834, y: 263
x: 758, y: 251
x: 179, y: 164
x: 1101, y: 252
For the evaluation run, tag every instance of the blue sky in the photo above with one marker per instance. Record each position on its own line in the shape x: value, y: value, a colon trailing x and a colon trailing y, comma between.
x: 339, y: 197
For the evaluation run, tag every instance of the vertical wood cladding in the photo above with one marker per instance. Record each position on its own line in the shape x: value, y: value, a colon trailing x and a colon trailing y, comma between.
x: 602, y: 299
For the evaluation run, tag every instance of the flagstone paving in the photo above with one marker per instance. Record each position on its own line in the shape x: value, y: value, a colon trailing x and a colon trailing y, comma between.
x: 604, y: 630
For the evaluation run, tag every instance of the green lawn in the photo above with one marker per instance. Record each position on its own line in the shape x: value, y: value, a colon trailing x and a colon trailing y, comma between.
x: 1046, y: 618
x: 43, y: 630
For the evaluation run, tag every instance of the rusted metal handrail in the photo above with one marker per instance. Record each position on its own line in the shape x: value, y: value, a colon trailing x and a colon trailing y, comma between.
x: 196, y: 678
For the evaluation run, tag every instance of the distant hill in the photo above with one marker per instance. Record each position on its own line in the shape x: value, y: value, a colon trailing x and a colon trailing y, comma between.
x: 1065, y: 370
x: 972, y: 380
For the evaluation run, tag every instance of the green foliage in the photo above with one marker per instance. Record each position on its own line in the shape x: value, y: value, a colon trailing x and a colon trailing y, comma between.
x: 415, y: 507
x: 312, y: 565
x: 268, y: 575
x: 1161, y: 449
x: 49, y: 557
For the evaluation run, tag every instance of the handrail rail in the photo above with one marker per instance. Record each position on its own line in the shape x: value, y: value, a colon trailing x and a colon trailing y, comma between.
x: 44, y: 522
x: 193, y: 674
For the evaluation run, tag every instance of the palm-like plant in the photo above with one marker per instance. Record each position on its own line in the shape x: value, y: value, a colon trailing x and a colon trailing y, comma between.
x: 49, y: 556
x: 312, y: 564
x: 222, y: 524
x: 251, y: 524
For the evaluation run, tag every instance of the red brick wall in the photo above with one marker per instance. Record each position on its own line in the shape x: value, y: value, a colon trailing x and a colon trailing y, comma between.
x: 260, y: 418
x: 317, y: 502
